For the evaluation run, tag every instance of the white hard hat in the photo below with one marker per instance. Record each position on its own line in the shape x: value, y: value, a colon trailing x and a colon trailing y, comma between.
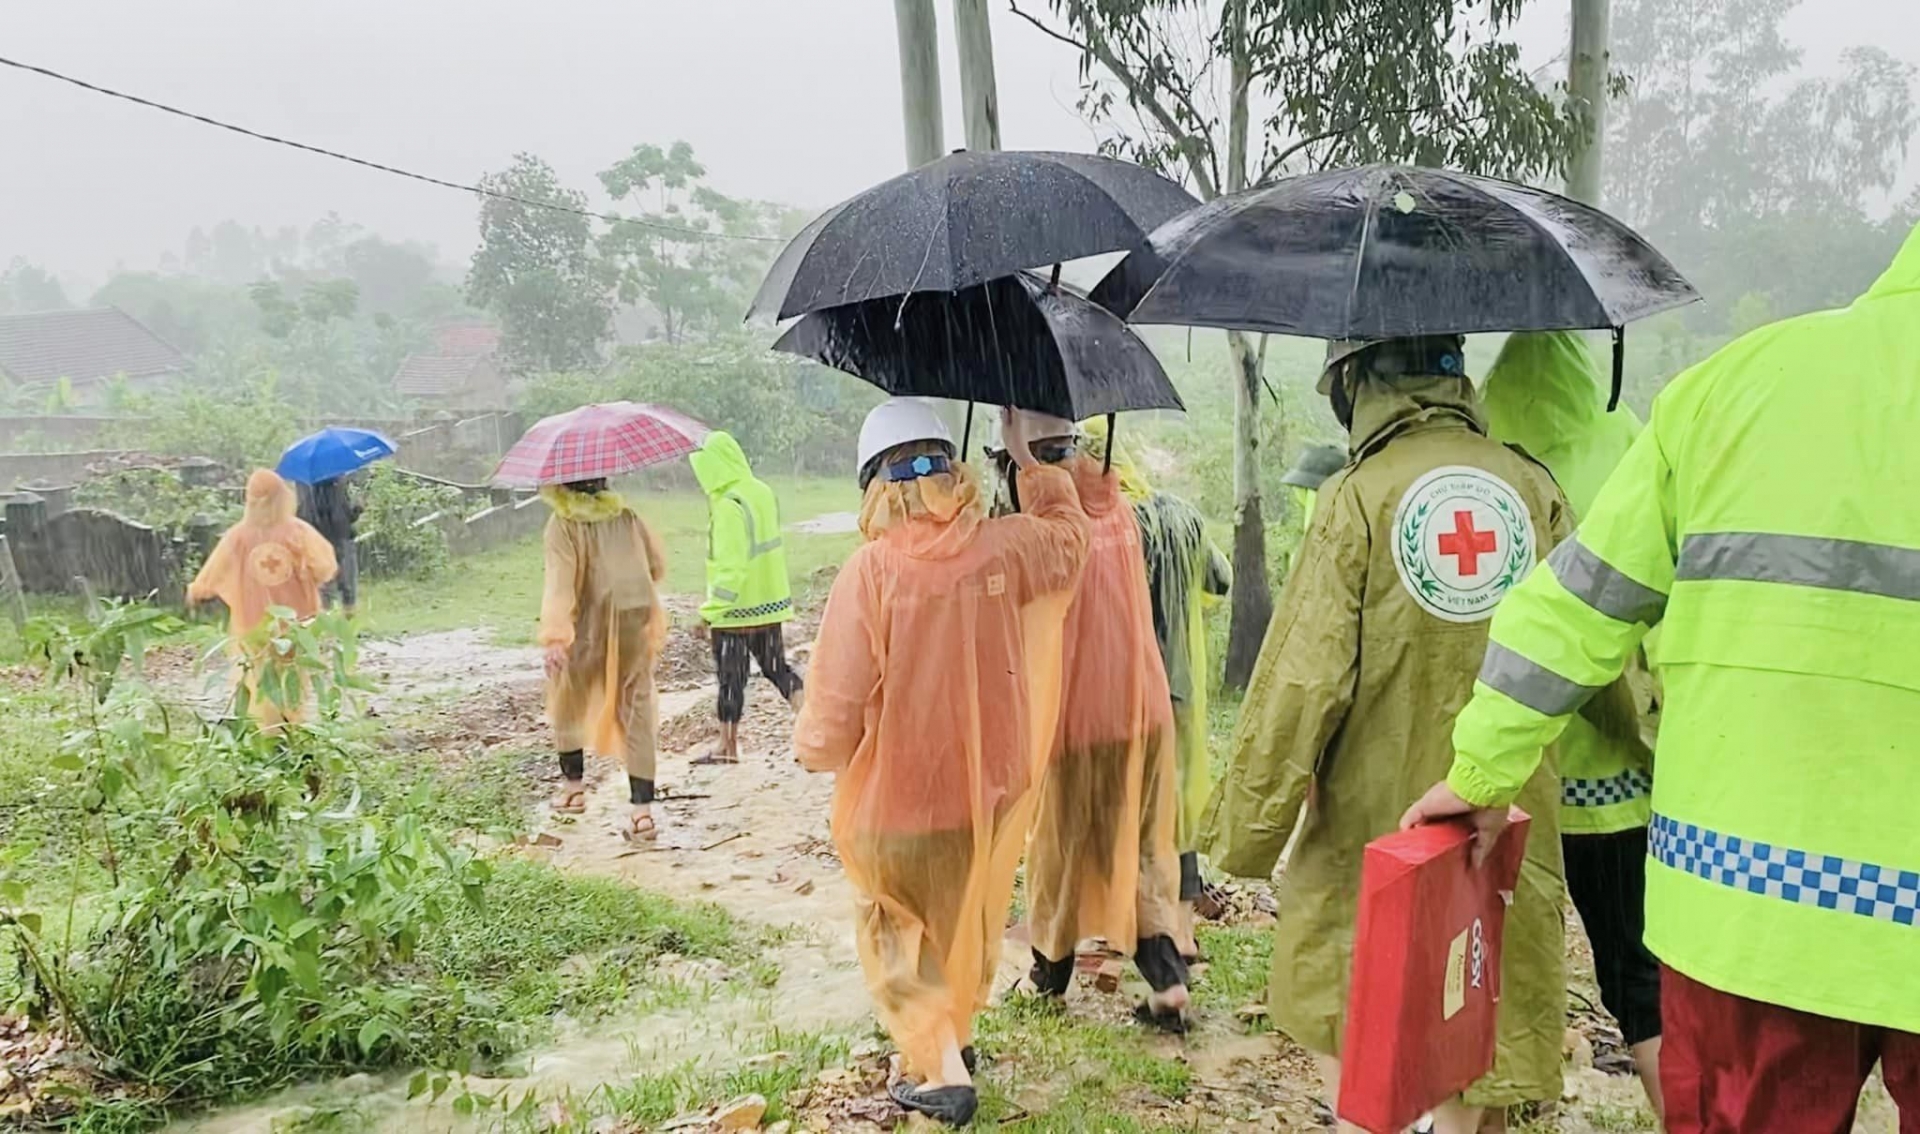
x: 897, y: 421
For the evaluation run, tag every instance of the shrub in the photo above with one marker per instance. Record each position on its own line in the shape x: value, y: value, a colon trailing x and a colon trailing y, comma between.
x: 157, y: 498
x: 392, y: 540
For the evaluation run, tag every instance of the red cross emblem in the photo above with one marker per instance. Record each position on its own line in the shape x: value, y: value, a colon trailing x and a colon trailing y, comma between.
x: 1467, y: 544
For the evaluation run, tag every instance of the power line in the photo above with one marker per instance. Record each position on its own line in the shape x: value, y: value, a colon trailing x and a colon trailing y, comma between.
x: 696, y: 233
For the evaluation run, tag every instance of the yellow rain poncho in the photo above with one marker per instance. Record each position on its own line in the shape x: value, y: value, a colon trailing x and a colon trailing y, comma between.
x: 1104, y: 861
x: 1184, y: 569
x: 600, y: 605
x: 271, y: 558
x: 921, y: 699
x: 1373, y: 648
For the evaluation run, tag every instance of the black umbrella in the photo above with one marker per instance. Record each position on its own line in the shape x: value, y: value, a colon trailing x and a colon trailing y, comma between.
x: 963, y: 220
x: 1017, y: 341
x: 1390, y: 251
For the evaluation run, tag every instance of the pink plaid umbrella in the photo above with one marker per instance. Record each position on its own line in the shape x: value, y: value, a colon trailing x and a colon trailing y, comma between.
x: 605, y: 440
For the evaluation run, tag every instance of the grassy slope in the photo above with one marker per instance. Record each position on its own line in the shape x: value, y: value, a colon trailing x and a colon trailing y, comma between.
x: 500, y: 590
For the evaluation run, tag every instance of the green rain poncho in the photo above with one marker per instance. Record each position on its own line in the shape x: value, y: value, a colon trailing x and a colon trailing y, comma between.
x: 1183, y: 569
x: 1545, y: 395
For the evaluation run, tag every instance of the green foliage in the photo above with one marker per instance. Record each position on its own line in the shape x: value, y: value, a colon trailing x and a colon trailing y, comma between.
x: 241, y: 426
x: 28, y: 287
x: 692, y: 283
x: 392, y: 541
x: 790, y: 414
x: 158, y: 498
x: 537, y: 272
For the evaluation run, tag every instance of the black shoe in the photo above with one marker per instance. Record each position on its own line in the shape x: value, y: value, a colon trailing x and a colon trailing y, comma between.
x: 951, y: 1105
x: 970, y: 1059
x: 1173, y: 1023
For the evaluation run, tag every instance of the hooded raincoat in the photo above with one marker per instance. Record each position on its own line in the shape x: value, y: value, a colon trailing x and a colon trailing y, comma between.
x: 746, y: 554
x: 930, y: 692
x: 600, y: 604
x: 1105, y: 859
x: 1544, y: 394
x: 1372, y: 650
x: 1784, y: 863
x: 1184, y: 569
x: 271, y: 558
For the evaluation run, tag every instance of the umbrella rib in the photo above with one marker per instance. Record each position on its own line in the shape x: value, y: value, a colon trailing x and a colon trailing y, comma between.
x: 1360, y: 260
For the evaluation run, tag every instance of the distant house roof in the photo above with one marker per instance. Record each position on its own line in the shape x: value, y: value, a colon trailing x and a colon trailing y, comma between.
x: 436, y: 375
x: 469, y: 337
x: 89, y: 345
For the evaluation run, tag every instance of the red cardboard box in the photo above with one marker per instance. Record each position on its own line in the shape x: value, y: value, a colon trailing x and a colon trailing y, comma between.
x: 1426, y: 971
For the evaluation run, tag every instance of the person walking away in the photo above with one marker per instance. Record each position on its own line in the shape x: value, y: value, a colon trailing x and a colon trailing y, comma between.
x: 270, y: 559
x: 1544, y: 394
x: 329, y: 508
x: 602, y: 626
x: 1783, y: 892
x: 927, y: 682
x: 1372, y: 649
x: 1315, y: 464
x: 1104, y: 861
x: 748, y: 595
x: 1184, y: 569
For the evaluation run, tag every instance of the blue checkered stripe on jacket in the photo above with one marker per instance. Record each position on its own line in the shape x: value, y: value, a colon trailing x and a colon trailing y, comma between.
x: 1822, y: 880
x: 1630, y: 784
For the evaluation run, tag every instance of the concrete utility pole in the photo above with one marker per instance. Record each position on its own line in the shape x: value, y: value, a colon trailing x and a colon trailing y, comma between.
x: 919, y: 80
x: 1587, y: 66
x: 978, y: 96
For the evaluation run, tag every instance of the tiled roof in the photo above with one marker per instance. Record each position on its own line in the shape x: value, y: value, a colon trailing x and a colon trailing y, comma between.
x: 434, y: 375
x: 83, y: 346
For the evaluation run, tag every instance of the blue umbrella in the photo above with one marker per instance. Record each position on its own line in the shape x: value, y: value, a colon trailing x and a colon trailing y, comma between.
x: 332, y: 452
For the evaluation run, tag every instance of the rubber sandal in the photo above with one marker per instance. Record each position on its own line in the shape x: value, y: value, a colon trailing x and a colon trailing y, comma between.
x: 1172, y: 1023
x: 569, y: 803
x: 952, y: 1105
x: 641, y: 829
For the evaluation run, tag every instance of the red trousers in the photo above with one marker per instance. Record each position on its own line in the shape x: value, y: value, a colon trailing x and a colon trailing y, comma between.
x: 1730, y: 1065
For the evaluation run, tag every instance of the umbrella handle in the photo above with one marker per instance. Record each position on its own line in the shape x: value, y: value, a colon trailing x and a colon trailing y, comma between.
x: 1107, y: 465
x: 966, y: 433
x: 1053, y: 285
x: 1619, y: 366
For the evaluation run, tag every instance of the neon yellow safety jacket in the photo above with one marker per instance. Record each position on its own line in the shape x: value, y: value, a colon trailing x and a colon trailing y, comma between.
x: 1764, y: 519
x: 1544, y: 395
x: 746, y: 559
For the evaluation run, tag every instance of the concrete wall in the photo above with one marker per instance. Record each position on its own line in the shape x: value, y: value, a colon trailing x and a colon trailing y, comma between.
x: 117, y: 557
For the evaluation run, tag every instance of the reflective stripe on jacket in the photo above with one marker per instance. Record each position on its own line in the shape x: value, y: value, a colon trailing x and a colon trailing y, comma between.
x: 746, y: 556
x: 1763, y: 521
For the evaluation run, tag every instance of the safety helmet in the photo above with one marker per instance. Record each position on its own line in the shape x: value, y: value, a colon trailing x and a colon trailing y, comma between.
x: 1443, y: 355
x: 1316, y: 464
x: 898, y: 421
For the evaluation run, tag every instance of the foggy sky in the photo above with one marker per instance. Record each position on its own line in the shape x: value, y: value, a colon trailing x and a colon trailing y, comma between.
x: 789, y: 100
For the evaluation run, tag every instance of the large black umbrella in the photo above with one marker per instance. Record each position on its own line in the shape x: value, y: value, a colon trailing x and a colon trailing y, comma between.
x: 1016, y: 341
x: 1388, y: 251
x: 963, y: 220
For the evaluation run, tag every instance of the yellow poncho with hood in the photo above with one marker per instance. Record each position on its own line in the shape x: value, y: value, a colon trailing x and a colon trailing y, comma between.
x: 1347, y: 722
x: 601, y: 605
x: 1544, y: 395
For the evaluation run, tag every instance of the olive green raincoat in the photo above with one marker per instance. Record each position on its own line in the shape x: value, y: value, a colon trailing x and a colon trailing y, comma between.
x: 1372, y: 651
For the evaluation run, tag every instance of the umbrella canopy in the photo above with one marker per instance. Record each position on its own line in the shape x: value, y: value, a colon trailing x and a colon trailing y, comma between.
x: 963, y: 220
x: 332, y: 452
x: 1390, y: 251
x: 1016, y: 341
x: 610, y: 439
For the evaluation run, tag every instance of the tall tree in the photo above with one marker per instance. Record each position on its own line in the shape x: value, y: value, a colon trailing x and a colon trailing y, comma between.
x: 29, y: 287
x: 676, y: 253
x: 1179, y: 85
x: 1735, y: 163
x: 537, y: 270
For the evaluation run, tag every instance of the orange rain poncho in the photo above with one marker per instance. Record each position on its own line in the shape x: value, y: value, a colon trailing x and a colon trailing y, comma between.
x: 922, y: 698
x: 271, y: 558
x: 601, y: 606
x: 1104, y: 861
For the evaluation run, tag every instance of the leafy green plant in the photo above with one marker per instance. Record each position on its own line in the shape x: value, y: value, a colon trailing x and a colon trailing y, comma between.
x: 247, y: 424
x: 392, y: 540
x: 157, y: 498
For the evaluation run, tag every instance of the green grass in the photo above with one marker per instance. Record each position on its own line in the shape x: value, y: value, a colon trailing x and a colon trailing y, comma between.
x: 1238, y: 960
x: 1050, y: 1070
x: 499, y: 590
x: 773, y: 1065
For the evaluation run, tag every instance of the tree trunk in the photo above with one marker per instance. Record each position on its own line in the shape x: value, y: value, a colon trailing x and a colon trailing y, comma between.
x: 919, y: 34
x: 1587, y: 63
x: 979, y: 98
x: 1252, y: 597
